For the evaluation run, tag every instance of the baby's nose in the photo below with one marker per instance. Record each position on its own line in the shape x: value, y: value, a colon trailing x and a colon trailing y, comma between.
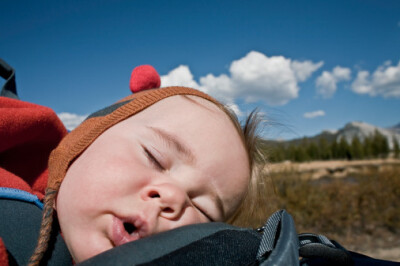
x: 171, y: 199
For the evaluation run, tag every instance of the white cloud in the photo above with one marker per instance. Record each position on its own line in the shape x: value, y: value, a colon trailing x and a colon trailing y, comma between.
x: 180, y: 76
x: 385, y: 81
x: 253, y: 77
x: 314, y: 114
x: 303, y: 70
x: 220, y: 87
x: 235, y: 108
x: 361, y: 85
x: 271, y: 79
x: 327, y: 82
x: 71, y: 121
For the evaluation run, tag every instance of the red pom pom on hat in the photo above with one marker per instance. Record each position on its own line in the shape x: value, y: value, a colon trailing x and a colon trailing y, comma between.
x: 143, y: 78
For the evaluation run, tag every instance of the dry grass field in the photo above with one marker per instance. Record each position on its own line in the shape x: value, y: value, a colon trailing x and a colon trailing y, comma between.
x: 356, y: 203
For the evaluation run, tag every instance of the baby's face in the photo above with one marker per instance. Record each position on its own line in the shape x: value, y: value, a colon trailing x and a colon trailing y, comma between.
x: 178, y: 162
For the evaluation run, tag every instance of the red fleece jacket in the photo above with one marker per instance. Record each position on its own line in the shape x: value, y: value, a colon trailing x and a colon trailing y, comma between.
x: 28, y: 133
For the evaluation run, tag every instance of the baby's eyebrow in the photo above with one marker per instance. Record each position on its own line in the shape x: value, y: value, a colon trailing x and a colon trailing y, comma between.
x: 175, y: 142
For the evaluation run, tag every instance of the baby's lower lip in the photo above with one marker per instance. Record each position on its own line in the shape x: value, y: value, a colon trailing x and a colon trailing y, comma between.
x: 119, y: 235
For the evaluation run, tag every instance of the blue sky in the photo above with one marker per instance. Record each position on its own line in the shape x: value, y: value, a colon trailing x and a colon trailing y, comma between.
x: 308, y: 65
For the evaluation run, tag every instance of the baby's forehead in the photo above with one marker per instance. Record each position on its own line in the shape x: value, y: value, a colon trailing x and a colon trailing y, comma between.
x: 212, y: 107
x: 198, y: 104
x: 213, y: 110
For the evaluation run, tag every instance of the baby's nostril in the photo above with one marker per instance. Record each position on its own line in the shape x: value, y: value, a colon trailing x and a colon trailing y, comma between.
x: 154, y: 194
x: 130, y: 228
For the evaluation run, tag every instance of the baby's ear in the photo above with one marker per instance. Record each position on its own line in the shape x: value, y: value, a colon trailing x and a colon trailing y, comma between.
x: 144, y: 77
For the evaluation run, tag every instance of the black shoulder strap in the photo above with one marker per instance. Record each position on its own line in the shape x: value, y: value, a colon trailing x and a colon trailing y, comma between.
x: 318, y: 250
x: 279, y: 243
x: 204, y: 244
x: 9, y: 88
x: 319, y: 246
x: 222, y: 244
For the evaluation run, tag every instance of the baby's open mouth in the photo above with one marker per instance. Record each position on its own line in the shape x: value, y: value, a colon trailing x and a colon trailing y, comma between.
x: 130, y: 228
x: 125, y: 230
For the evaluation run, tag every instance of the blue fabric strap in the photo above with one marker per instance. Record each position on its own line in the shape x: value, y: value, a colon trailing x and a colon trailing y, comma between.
x: 17, y: 194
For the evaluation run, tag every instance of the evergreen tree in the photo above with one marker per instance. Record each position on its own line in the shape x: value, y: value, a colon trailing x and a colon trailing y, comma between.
x: 385, y: 146
x: 277, y: 153
x: 291, y: 152
x: 302, y: 151
x: 300, y: 154
x: 344, y: 150
x: 335, y: 150
x: 396, y: 148
x: 367, y: 147
x: 356, y: 148
x: 313, y: 151
x: 376, y: 144
x: 325, y: 152
x: 380, y: 145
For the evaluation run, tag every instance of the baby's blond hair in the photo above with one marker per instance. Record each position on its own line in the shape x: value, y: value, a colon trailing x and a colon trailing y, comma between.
x: 249, y: 133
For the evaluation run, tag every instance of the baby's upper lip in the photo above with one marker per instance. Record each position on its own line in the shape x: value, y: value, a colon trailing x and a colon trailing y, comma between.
x: 120, y: 235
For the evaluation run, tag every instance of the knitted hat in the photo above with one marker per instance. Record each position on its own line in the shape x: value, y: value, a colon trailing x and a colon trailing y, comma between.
x: 144, y: 84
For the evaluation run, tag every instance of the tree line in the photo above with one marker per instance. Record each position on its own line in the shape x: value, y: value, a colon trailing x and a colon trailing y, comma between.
x: 374, y: 146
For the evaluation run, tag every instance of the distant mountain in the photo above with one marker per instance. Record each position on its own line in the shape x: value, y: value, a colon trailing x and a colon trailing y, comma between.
x: 363, y: 130
x: 352, y: 129
x: 329, y: 135
x: 395, y: 129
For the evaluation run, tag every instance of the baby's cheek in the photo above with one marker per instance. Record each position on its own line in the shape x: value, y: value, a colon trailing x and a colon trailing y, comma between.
x: 190, y: 216
x: 83, y: 249
x: 193, y: 216
x: 86, y: 237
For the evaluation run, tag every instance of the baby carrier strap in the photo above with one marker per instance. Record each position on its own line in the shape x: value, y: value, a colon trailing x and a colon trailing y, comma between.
x: 319, y: 247
x: 279, y: 244
x: 9, y: 88
x: 196, y: 244
x: 20, y: 218
x: 18, y: 194
x: 276, y: 243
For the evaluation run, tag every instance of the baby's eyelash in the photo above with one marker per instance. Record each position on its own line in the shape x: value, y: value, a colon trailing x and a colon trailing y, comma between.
x: 204, y: 213
x: 152, y: 159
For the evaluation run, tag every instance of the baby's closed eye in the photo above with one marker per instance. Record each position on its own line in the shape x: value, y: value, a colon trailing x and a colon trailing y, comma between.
x: 153, y: 159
